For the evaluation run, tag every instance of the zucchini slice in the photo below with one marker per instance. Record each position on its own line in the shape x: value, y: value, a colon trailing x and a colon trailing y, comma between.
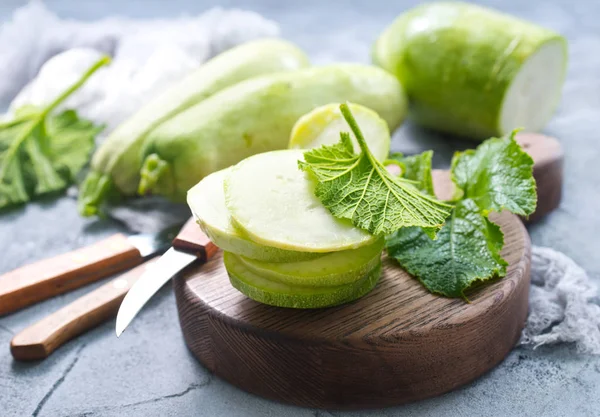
x: 283, y: 295
x: 323, y: 125
x: 207, y: 202
x: 332, y: 269
x: 273, y: 202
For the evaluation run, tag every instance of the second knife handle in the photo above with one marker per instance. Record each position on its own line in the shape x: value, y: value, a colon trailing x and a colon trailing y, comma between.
x: 42, y: 338
x: 49, y: 277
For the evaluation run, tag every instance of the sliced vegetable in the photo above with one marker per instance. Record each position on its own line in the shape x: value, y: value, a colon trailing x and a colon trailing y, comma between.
x: 331, y: 269
x: 274, y: 203
x: 42, y: 152
x: 207, y: 202
x: 256, y: 116
x: 283, y: 295
x: 473, y: 71
x: 359, y: 188
x: 116, y: 164
x: 323, y: 125
x: 497, y: 176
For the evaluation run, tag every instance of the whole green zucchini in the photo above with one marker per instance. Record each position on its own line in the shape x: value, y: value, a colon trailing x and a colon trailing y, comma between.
x: 473, y: 71
x: 116, y: 164
x: 256, y: 116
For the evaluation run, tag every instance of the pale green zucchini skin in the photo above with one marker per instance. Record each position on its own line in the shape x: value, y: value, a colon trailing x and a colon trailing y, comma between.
x: 256, y: 116
x: 277, y: 294
x: 116, y: 164
x: 329, y: 270
x: 456, y: 62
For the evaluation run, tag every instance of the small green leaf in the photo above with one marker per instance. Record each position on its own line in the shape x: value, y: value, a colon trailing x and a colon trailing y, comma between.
x: 71, y: 141
x: 42, y: 152
x: 498, y: 176
x: 359, y: 188
x: 416, y: 168
x: 12, y: 184
x: 47, y: 178
x: 466, y: 251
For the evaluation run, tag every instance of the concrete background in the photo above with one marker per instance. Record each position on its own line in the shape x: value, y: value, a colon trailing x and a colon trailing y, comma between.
x: 149, y: 372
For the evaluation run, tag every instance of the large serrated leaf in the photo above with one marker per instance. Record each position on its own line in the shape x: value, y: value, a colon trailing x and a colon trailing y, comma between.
x: 498, y: 175
x: 466, y: 251
x: 359, y: 188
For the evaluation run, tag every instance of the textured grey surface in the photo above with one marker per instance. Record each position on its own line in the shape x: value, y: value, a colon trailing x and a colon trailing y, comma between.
x: 149, y: 372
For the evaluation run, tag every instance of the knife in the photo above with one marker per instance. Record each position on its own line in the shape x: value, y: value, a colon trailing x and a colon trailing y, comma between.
x: 189, y: 246
x: 39, y: 340
x: 53, y: 276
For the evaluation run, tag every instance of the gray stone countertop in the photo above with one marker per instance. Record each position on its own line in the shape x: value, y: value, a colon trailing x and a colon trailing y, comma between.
x: 149, y: 371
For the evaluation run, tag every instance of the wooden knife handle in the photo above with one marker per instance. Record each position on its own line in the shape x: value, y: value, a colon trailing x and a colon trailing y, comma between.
x: 42, y: 338
x: 192, y: 239
x: 49, y: 277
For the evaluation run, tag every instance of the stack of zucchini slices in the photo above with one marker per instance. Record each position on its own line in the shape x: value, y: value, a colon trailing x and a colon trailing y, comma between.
x: 282, y: 247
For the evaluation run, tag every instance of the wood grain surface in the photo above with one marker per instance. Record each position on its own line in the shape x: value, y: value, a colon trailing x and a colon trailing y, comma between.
x: 193, y: 240
x: 49, y: 277
x: 548, y: 158
x: 397, y: 344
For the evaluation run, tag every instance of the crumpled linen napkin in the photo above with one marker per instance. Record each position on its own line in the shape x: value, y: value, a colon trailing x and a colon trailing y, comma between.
x: 562, y: 303
x: 150, y: 55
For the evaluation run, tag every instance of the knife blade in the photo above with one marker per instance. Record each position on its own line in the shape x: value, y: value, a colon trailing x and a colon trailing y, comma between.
x: 189, y: 246
x: 53, y: 276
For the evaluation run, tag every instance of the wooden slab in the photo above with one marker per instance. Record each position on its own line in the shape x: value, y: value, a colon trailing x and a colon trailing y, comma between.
x: 548, y: 158
x: 397, y: 344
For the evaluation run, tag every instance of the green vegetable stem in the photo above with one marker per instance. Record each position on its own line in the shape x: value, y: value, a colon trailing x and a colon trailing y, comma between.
x: 156, y: 176
x: 42, y: 152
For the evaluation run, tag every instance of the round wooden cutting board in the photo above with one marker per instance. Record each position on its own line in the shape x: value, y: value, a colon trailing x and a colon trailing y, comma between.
x: 397, y: 344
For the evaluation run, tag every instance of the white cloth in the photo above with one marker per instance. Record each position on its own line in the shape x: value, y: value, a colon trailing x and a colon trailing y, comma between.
x: 562, y: 303
x: 150, y: 55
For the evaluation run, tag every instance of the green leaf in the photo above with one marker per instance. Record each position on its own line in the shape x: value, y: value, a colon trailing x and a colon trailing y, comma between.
x: 71, y: 141
x: 415, y: 168
x: 498, y: 176
x: 48, y: 179
x: 466, y: 251
x: 359, y: 188
x: 41, y: 152
x: 12, y: 187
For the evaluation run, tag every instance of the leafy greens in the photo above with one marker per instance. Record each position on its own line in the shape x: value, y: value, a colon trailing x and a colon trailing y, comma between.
x: 415, y: 168
x: 497, y: 176
x: 359, y: 188
x: 42, y: 152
